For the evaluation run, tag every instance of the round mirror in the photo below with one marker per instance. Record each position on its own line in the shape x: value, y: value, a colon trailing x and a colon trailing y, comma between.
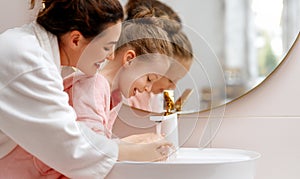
x: 236, y: 44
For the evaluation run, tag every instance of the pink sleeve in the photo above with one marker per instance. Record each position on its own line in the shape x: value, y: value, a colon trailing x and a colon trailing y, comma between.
x: 91, y: 101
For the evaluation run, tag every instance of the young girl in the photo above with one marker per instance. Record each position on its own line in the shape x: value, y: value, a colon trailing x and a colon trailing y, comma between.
x: 140, y: 59
x: 182, y: 53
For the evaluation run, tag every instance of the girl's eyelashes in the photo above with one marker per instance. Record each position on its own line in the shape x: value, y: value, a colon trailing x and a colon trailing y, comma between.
x: 106, y: 49
x: 109, y: 48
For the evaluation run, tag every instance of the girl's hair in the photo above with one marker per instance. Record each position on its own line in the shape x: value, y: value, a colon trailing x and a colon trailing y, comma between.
x: 144, y: 35
x: 160, y: 9
x: 169, y: 21
x: 90, y: 17
x: 182, y: 47
x: 144, y: 38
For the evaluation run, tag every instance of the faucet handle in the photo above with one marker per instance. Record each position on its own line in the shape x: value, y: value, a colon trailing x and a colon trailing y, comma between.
x: 169, y: 101
x: 182, y: 99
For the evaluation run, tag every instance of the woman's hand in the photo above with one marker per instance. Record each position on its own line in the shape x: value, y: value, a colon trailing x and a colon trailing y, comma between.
x: 144, y: 147
x: 142, y: 138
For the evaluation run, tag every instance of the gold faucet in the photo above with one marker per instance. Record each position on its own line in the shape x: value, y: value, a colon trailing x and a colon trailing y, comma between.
x: 169, y: 102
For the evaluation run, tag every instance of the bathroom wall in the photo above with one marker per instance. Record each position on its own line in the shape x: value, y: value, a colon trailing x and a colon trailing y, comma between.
x: 15, y: 13
x: 266, y: 120
x: 276, y: 138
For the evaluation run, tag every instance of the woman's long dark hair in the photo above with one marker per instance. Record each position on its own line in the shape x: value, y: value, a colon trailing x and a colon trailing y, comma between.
x: 90, y: 17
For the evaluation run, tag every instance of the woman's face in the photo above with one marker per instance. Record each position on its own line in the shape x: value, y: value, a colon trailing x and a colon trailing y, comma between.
x: 99, y: 49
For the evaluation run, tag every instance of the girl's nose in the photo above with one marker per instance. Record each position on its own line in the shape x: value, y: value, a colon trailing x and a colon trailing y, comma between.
x: 148, y: 88
x: 110, y: 56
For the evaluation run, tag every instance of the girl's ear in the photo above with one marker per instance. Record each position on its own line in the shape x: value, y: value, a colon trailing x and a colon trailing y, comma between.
x: 129, y: 55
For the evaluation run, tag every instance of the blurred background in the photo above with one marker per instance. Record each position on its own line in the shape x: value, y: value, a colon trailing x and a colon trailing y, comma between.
x: 249, y: 38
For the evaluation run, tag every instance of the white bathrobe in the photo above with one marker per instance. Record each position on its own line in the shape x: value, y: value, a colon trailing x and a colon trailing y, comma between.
x: 34, y: 110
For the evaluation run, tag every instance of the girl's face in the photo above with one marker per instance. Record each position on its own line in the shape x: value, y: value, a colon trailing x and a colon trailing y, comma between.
x: 99, y: 49
x: 143, y: 83
x: 174, y: 74
x: 139, y: 75
x: 162, y: 84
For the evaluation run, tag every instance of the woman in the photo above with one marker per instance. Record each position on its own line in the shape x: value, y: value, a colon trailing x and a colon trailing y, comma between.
x: 37, y: 123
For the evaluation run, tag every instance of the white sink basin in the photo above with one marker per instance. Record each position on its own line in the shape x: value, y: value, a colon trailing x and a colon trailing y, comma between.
x: 192, y: 163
